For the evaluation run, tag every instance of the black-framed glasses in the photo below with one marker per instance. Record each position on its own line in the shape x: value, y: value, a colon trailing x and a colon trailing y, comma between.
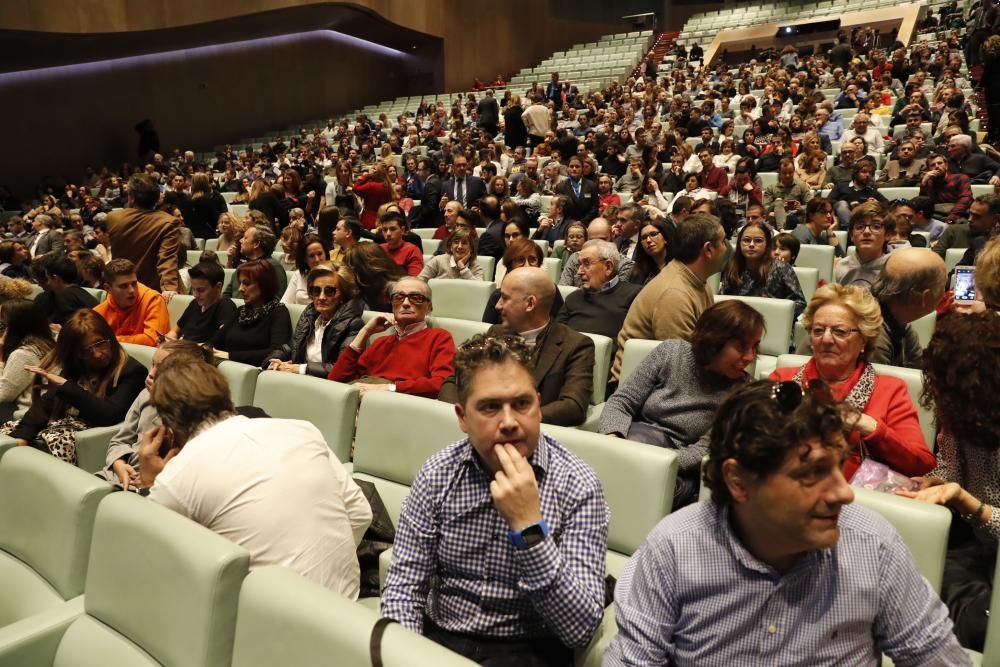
x: 873, y: 226
x: 649, y: 235
x: 416, y: 298
x: 325, y: 290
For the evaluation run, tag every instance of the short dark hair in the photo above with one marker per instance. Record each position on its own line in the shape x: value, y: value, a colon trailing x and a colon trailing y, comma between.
x: 720, y: 323
x: 210, y: 271
x: 752, y: 428
x: 63, y: 268
x: 143, y: 190
x: 487, y: 350
x: 393, y: 216
x: 990, y: 200
x: 682, y: 203
x: 790, y: 243
x: 693, y: 232
x: 117, y: 268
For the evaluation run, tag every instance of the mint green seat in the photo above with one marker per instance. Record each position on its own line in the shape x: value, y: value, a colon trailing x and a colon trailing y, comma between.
x: 329, y: 406
x: 141, y: 353
x: 460, y: 299
x: 177, y: 305
x: 98, y: 294
x: 184, y: 614
x: 242, y: 379
x: 92, y: 446
x: 819, y: 257
x: 808, y: 280
x: 47, y: 511
x: 923, y: 527
x: 396, y: 434
x: 285, y: 619
x: 193, y: 256
x: 295, y: 312
x: 460, y: 330
x: 633, y: 353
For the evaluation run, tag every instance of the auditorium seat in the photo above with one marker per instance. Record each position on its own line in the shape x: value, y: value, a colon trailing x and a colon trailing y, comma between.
x: 242, y: 379
x: 952, y: 256
x: 819, y: 257
x: 212, y: 244
x: 460, y: 330
x: 177, y: 305
x: 98, y: 294
x: 193, y: 256
x: 47, y: 511
x: 141, y: 353
x: 160, y: 590
x: 635, y: 350
x: 461, y: 299
x: 92, y: 447
x: 808, y: 280
x: 285, y: 619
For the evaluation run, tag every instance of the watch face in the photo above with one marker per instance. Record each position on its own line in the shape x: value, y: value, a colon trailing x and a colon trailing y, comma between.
x: 532, y: 535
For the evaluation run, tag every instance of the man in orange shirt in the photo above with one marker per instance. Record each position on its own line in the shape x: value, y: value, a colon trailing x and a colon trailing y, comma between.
x: 137, y: 313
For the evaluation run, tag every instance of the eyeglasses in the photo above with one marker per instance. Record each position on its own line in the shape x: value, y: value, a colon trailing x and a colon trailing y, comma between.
x: 874, y: 226
x: 325, y: 290
x: 93, y: 347
x: 753, y: 240
x: 512, y: 236
x: 839, y: 333
x: 416, y: 298
x: 587, y: 263
x: 649, y: 235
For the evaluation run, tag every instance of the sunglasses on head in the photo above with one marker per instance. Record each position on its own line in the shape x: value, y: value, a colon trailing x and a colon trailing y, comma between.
x: 789, y: 394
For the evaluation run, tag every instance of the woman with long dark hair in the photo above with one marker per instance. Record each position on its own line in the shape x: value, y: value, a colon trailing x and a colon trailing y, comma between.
x: 655, y: 241
x: 311, y: 252
x: 373, y: 272
x: 86, y: 380
x: 753, y: 271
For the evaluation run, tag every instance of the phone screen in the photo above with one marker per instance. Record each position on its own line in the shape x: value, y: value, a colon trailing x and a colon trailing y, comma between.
x: 965, y: 283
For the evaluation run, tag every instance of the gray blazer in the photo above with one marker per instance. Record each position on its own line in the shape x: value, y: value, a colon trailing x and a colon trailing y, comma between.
x: 51, y: 241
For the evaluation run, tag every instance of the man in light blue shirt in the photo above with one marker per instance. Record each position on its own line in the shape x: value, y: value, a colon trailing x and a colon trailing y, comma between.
x: 779, y: 567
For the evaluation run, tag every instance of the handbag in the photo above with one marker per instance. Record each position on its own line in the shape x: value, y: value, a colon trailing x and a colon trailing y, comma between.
x: 877, y: 476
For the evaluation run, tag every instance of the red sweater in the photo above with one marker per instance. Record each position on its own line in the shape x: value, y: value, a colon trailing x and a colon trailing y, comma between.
x: 407, y: 256
x: 418, y: 364
x: 897, y: 441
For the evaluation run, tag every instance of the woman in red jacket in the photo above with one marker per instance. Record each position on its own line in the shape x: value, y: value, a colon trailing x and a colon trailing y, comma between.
x: 843, y: 324
x: 374, y: 189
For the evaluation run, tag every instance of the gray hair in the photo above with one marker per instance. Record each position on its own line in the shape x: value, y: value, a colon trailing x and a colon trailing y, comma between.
x: 45, y: 220
x: 862, y: 118
x: 606, y: 250
x: 906, y: 286
x: 963, y: 139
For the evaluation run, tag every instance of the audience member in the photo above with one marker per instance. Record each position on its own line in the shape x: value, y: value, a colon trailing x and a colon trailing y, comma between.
x: 148, y: 238
x: 816, y: 230
x: 45, y: 238
x: 63, y: 295
x: 546, y: 574
x: 310, y: 253
x: 136, y: 313
x: 262, y: 323
x: 601, y: 304
x: 258, y: 244
x: 458, y: 261
x: 26, y: 341
x: 753, y: 270
x: 656, y: 240
x: 951, y: 193
x: 869, y: 226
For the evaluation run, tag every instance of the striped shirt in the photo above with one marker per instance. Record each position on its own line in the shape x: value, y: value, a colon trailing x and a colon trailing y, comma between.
x: 452, y: 560
x: 693, y: 595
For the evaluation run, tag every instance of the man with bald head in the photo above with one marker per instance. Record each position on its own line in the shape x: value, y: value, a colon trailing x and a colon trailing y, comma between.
x: 562, y: 359
x: 598, y: 229
x: 910, y: 286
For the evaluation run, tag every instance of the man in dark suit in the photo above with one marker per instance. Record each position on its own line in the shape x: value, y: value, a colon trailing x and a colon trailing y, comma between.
x: 488, y: 112
x: 582, y: 193
x: 45, y: 237
x: 563, y: 359
x: 552, y: 226
x: 553, y: 91
x: 979, y: 166
x: 491, y: 243
x: 149, y: 239
x: 462, y: 186
x: 430, y: 205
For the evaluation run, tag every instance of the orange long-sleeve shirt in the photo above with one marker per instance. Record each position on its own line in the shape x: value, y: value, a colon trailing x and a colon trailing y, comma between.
x: 140, y: 323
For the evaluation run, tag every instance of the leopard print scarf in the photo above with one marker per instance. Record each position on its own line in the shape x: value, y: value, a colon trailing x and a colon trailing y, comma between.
x: 859, y: 395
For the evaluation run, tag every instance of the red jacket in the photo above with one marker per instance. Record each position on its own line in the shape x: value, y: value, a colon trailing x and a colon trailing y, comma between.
x: 897, y: 441
x: 407, y: 256
x: 373, y: 194
x: 715, y: 178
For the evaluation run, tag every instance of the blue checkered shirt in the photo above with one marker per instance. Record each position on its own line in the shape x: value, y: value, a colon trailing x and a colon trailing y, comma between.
x: 693, y: 595
x: 453, y: 562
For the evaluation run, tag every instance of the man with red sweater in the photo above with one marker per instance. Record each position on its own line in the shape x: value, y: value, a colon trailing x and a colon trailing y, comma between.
x: 414, y: 359
x: 712, y: 177
x: 402, y: 252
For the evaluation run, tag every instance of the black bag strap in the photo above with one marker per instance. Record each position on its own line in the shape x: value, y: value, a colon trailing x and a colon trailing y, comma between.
x: 375, y: 641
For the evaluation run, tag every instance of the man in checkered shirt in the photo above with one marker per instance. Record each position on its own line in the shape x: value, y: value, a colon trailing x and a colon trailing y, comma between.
x: 500, y: 549
x: 778, y: 568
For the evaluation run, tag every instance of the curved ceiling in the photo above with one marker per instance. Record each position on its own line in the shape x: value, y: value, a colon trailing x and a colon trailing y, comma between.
x: 22, y: 50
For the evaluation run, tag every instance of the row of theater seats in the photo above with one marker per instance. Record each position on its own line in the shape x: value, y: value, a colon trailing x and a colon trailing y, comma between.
x: 95, y: 578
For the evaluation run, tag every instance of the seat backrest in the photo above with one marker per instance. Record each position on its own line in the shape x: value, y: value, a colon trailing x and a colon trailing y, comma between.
x: 603, y: 347
x: 924, y: 328
x: 779, y: 316
x: 489, y: 265
x: 566, y: 290
x: 553, y: 267
x: 635, y: 350
x: 952, y: 256
x: 460, y: 330
x: 330, y: 406
x: 193, y: 256
x: 461, y: 299
x: 396, y: 434
x: 923, y: 527
x: 177, y: 305
x: 295, y: 312
x: 286, y: 619
x: 47, y: 511
x: 242, y: 379
x: 190, y: 580
x: 98, y: 294
x: 141, y: 353
x: 624, y: 466
x: 819, y: 257
x: 808, y: 280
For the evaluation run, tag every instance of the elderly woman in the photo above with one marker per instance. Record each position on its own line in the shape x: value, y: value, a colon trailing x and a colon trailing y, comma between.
x: 961, y: 380
x: 326, y: 326
x: 671, y: 397
x: 870, y: 224
x: 458, y: 260
x: 843, y: 324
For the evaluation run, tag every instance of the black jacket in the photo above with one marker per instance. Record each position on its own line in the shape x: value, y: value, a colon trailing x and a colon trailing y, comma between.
x: 343, y: 327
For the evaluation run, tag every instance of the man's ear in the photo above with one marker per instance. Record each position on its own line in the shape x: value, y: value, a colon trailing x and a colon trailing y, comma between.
x: 737, y: 480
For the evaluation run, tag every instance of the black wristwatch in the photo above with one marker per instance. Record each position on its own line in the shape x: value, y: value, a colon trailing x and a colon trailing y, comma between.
x: 529, y: 536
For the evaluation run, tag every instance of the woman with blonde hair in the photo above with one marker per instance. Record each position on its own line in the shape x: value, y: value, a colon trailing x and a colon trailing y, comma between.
x: 458, y: 260
x: 230, y: 229
x: 812, y: 169
x: 843, y: 324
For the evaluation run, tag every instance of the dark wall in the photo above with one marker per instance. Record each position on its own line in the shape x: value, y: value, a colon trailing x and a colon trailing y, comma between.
x: 70, y: 117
